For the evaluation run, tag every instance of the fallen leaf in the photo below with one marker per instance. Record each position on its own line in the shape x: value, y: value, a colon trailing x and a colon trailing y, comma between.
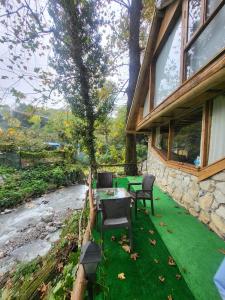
x: 151, y: 231
x: 162, y: 224
x: 222, y: 251
x: 126, y: 248
x: 60, y: 267
x: 157, y: 198
x: 121, y: 276
x: 134, y: 256
x: 43, y: 289
x: 169, y: 230
x: 161, y: 278
x: 113, y: 238
x: 146, y: 212
x: 158, y: 216
x: 170, y: 297
x: 156, y: 260
x: 171, y: 261
x: 152, y: 242
x: 178, y: 276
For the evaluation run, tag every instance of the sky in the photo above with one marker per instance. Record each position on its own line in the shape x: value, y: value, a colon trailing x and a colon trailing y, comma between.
x: 9, y: 77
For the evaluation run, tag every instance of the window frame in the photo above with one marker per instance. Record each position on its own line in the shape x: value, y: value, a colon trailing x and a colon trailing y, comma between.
x: 181, y: 11
x: 203, y: 24
x: 205, y: 133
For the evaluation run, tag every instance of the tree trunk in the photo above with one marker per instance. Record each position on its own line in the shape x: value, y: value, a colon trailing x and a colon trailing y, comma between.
x: 134, y: 67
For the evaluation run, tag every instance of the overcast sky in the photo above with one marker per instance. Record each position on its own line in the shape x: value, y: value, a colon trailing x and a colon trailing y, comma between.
x: 39, y: 59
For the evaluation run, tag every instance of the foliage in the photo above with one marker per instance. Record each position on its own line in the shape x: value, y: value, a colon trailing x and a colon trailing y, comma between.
x: 23, y: 184
x: 51, y: 276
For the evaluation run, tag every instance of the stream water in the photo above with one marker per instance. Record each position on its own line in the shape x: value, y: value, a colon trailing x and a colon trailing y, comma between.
x: 30, y: 230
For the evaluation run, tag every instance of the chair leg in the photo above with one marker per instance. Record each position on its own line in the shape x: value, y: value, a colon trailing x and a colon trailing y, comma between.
x: 152, y: 207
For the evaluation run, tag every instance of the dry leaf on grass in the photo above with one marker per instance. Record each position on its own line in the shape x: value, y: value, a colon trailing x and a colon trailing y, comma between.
x: 113, y: 238
x: 152, y: 242
x: 178, y: 276
x: 169, y: 230
x: 121, y: 276
x: 151, y: 231
x: 43, y: 290
x: 162, y: 224
x: 158, y: 216
x: 161, y: 278
x: 156, y: 260
x: 156, y: 198
x: 126, y: 248
x: 170, y: 297
x: 60, y: 267
x: 222, y: 251
x: 134, y: 256
x: 171, y: 261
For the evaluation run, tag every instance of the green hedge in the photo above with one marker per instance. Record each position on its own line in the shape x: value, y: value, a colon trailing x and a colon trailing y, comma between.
x: 33, y: 182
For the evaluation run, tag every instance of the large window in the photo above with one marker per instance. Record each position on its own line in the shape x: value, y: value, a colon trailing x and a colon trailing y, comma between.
x: 194, y: 17
x: 217, y: 137
x: 210, y: 42
x: 161, y: 138
x: 186, y: 140
x: 167, y: 69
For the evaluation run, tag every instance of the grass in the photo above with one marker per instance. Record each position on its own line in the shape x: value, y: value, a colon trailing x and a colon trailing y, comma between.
x: 183, y: 237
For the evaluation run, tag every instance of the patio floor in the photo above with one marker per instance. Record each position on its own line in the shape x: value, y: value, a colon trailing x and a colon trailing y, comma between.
x: 177, y: 234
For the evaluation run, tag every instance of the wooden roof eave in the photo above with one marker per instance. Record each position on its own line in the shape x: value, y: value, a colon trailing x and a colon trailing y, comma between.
x: 145, y: 69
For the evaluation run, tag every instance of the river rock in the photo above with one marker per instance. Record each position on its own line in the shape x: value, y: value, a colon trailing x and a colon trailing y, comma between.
x: 51, y: 228
x: 2, y: 254
x: 48, y: 217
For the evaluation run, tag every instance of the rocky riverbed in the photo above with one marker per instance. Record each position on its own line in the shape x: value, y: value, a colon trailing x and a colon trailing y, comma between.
x: 30, y: 230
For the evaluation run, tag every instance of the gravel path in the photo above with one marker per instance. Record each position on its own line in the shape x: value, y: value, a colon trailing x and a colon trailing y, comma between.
x: 30, y: 230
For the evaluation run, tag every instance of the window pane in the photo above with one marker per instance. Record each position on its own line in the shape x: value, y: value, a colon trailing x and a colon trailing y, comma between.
x: 194, y: 16
x: 211, y: 6
x: 146, y: 105
x: 161, y: 139
x: 186, y: 142
x: 167, y: 73
x: 210, y: 42
x: 217, y: 144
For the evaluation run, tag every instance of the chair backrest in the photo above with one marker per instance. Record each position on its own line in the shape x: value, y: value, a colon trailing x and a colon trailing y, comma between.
x: 117, y: 208
x: 147, y: 183
x: 105, y: 180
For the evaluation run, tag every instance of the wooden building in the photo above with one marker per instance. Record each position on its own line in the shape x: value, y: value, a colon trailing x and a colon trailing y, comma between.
x: 180, y: 102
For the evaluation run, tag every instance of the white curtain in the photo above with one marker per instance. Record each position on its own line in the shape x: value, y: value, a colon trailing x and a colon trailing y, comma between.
x: 217, y: 138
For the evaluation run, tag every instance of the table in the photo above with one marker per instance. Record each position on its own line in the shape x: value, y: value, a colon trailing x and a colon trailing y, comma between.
x: 102, y: 194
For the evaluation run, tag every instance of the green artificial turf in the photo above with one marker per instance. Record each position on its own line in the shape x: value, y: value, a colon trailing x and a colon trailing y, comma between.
x: 193, y: 246
x: 142, y: 276
x: 191, y: 243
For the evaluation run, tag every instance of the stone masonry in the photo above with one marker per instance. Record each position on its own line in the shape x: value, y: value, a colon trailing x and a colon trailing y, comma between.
x: 204, y: 200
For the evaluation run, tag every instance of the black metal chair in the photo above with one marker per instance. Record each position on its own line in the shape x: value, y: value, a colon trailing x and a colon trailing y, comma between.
x: 146, y: 193
x: 116, y: 214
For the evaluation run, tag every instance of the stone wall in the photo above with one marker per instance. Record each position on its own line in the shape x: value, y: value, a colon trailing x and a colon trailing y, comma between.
x: 205, y: 199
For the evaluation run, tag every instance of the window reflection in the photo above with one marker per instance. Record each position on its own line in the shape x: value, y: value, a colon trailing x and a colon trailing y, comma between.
x: 187, y: 139
x: 210, y: 42
x: 194, y: 16
x: 211, y: 6
x: 167, y: 73
x: 161, y: 138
